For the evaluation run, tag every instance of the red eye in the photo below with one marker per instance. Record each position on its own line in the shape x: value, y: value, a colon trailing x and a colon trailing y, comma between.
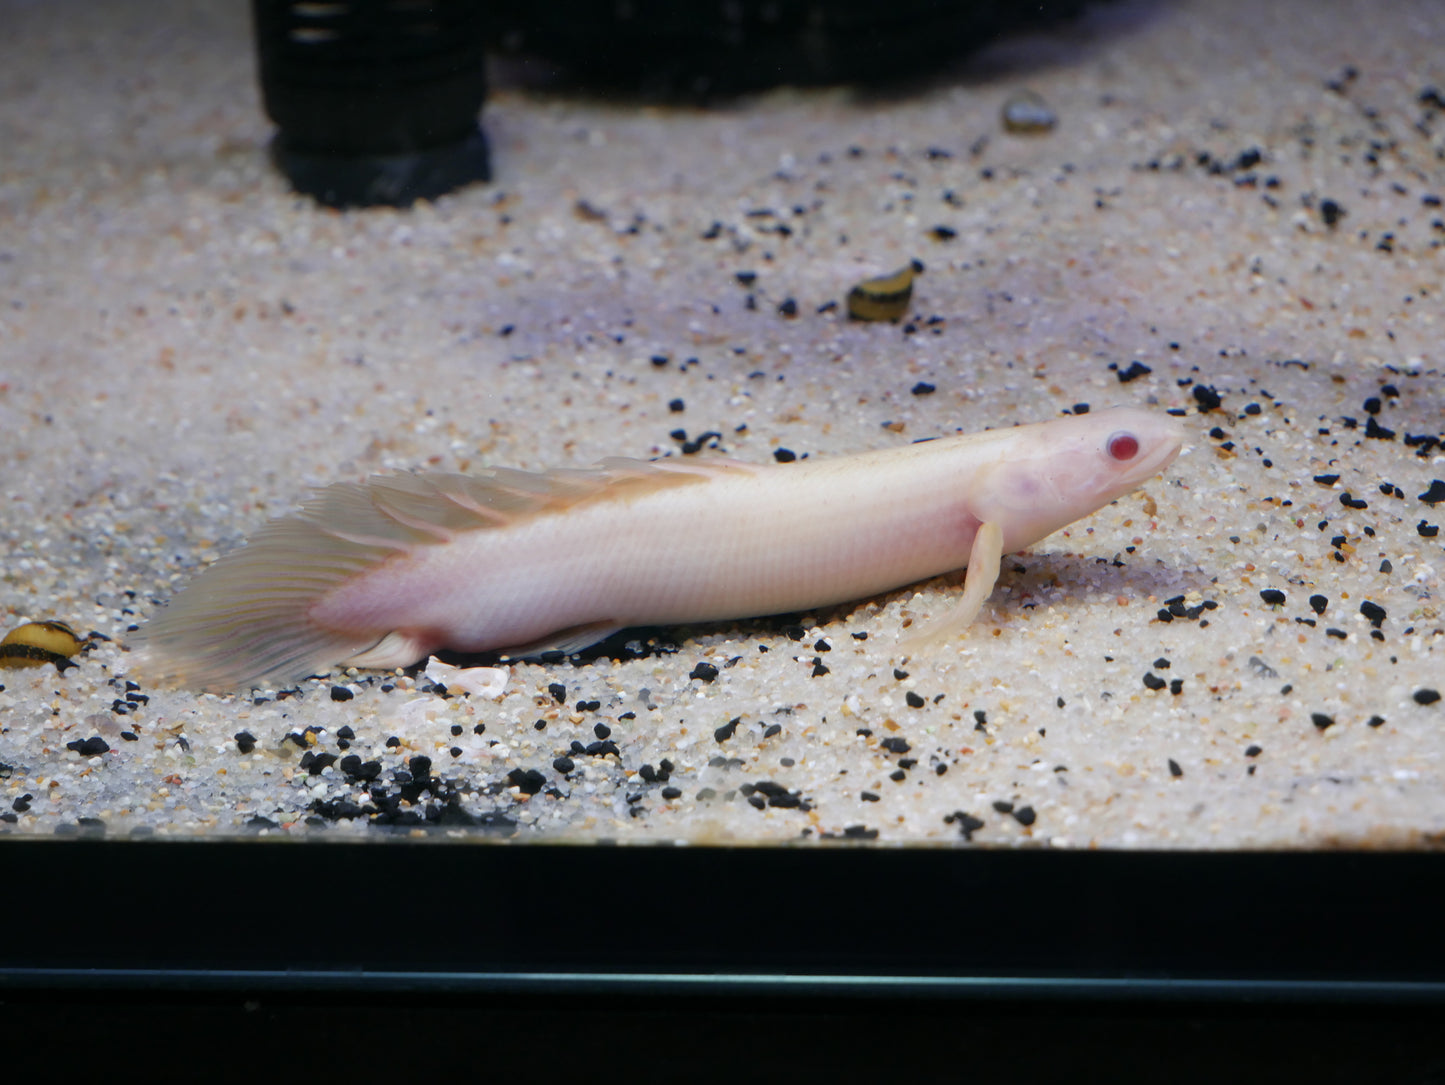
x: 1123, y: 446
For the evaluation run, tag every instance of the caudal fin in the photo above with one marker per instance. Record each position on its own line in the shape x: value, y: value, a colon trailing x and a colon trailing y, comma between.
x: 244, y: 621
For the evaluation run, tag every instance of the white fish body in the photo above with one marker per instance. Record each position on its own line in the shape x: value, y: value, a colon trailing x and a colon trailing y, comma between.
x: 382, y: 573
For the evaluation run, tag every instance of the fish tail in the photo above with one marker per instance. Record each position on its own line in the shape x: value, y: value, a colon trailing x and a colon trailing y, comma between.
x: 245, y: 621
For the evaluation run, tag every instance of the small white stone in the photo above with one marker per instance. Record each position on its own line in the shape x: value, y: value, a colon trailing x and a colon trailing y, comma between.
x: 483, y: 681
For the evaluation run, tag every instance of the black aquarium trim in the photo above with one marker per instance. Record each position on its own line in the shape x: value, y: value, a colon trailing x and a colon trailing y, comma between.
x: 835, y: 921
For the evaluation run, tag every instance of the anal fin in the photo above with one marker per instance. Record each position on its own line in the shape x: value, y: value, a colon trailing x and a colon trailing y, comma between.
x: 566, y: 641
x: 401, y: 649
x: 396, y: 649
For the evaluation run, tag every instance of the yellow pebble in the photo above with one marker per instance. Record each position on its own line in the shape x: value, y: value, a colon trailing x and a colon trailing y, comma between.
x: 37, y: 643
x: 884, y: 298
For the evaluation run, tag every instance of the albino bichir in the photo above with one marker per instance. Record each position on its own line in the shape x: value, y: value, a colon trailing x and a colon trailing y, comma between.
x: 381, y: 573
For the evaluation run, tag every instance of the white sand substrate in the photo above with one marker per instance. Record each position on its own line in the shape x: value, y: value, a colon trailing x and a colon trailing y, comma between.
x: 187, y: 347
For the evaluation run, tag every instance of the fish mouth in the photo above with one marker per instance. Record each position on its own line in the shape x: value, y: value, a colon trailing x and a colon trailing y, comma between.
x: 1164, y: 447
x: 1167, y: 453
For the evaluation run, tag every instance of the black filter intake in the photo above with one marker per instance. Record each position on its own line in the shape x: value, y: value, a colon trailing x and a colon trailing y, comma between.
x: 376, y: 100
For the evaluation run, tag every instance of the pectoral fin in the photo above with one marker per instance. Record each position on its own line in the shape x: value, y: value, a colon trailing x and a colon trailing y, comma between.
x: 984, y: 560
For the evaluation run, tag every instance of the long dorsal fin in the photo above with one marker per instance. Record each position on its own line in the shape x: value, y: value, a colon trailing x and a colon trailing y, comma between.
x: 435, y: 506
x: 246, y: 619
